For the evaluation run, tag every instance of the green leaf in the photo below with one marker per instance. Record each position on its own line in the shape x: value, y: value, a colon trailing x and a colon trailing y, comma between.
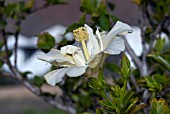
x: 87, y: 6
x: 98, y: 111
x: 101, y: 79
x: 159, y: 44
x: 72, y: 27
x: 38, y: 81
x: 159, y: 107
x: 125, y: 67
x: 28, y: 5
x: 82, y: 19
x: 161, y: 59
x: 112, y: 67
x: 45, y: 41
x: 93, y: 83
x: 25, y: 74
x: 131, y: 104
x: 152, y: 84
x: 106, y: 104
x: 161, y: 79
x: 137, y: 108
x: 104, y: 22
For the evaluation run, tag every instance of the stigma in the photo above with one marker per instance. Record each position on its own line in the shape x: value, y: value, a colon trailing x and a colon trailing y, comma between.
x: 80, y: 34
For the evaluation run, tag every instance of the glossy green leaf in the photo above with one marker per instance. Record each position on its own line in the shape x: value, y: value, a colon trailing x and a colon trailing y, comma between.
x: 45, y: 41
x: 159, y: 107
x: 125, y: 67
x: 101, y: 78
x: 137, y: 108
x: 28, y: 5
x: 87, y: 6
x: 106, y: 103
x: 161, y: 79
x: 72, y: 27
x: 104, y: 22
x: 38, y: 81
x: 160, y: 44
x: 82, y: 19
x: 94, y: 83
x: 152, y: 84
x: 99, y: 111
x: 161, y: 59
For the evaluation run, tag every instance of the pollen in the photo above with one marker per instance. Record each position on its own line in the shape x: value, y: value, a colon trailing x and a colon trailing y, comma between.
x: 80, y: 34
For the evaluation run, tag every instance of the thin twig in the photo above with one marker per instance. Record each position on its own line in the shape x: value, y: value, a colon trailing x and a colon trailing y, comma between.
x: 134, y: 83
x: 135, y: 59
x: 16, y: 42
x: 143, y: 70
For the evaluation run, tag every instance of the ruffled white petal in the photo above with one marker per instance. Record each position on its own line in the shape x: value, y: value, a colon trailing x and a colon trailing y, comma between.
x: 55, y: 76
x: 50, y: 56
x: 120, y: 28
x: 55, y: 56
x: 100, y: 39
x: 92, y: 41
x: 115, y: 47
x: 77, y: 58
x: 95, y: 60
x: 76, y: 71
x: 69, y: 49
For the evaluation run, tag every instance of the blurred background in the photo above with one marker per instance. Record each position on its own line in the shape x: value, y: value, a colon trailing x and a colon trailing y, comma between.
x: 14, y: 97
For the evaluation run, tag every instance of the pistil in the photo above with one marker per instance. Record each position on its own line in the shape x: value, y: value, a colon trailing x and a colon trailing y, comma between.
x: 81, y: 35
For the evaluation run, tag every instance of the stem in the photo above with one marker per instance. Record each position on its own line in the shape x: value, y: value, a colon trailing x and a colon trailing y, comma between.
x: 85, y: 50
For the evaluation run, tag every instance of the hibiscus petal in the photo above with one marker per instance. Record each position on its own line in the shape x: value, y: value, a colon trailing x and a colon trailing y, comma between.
x: 79, y: 59
x: 76, y: 71
x: 120, y: 28
x: 94, y: 60
x: 69, y: 49
x: 115, y: 47
x: 54, y: 55
x: 55, y: 76
x: 100, y: 39
x: 92, y: 41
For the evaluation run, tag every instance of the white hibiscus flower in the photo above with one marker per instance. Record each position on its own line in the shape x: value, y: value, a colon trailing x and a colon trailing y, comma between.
x: 74, y: 60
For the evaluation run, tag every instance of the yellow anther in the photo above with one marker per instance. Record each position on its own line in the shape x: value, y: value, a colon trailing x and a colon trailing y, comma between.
x: 80, y: 34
